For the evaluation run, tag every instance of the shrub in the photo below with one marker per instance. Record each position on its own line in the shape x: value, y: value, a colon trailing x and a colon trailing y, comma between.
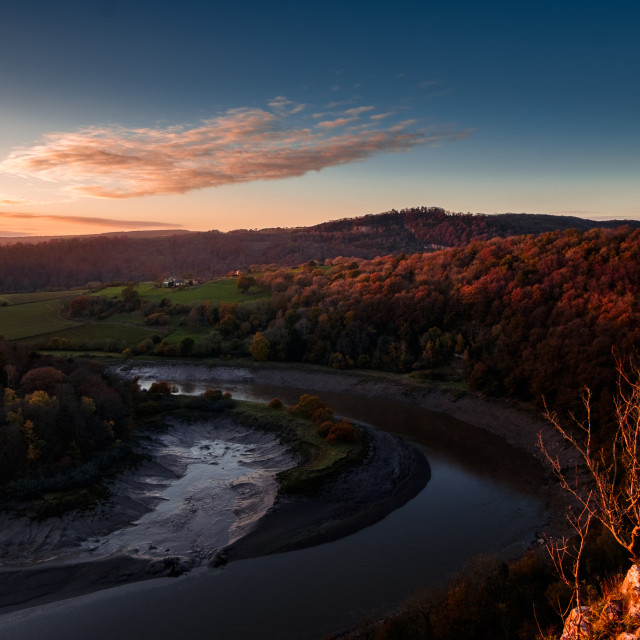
x: 213, y: 395
x: 157, y: 319
x: 160, y: 389
x: 276, y: 403
x: 324, y: 428
x: 308, y: 406
x: 322, y: 414
x: 144, y: 346
x: 342, y: 431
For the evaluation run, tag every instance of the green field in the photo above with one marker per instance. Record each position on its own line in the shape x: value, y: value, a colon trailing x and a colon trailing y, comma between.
x: 222, y: 290
x: 32, y: 319
x: 176, y: 336
x: 113, y: 337
x: 37, y: 317
x: 38, y: 296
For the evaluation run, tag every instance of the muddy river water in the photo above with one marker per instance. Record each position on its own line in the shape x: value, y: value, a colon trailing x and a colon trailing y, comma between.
x: 483, y: 497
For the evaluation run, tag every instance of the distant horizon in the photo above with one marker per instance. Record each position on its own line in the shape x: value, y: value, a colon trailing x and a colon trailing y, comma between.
x: 178, y: 230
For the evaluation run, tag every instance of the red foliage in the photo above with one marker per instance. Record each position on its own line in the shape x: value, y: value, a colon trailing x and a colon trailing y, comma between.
x: 342, y: 431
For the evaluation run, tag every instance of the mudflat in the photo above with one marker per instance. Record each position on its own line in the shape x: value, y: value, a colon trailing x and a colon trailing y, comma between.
x: 392, y: 472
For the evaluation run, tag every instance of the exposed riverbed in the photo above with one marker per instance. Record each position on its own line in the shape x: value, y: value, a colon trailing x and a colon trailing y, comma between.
x: 203, y: 486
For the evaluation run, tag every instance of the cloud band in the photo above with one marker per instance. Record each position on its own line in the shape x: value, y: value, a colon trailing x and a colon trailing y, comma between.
x: 101, y: 222
x: 242, y: 145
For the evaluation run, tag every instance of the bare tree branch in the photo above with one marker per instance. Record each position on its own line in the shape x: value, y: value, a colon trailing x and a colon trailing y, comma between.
x: 611, y: 491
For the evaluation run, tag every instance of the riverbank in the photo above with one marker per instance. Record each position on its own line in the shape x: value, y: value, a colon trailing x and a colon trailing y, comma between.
x: 200, y: 485
x: 483, y: 497
x: 296, y: 522
x: 518, y: 425
x: 392, y: 473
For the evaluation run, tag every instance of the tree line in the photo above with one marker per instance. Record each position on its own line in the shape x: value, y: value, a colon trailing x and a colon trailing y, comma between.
x: 77, y: 262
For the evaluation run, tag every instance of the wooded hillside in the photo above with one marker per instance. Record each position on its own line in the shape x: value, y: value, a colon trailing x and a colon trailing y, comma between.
x: 65, y: 263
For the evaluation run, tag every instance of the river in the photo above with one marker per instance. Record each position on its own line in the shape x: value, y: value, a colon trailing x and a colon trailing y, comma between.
x: 483, y: 497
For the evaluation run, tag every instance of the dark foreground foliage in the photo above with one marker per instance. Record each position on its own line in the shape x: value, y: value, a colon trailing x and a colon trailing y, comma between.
x: 59, y: 419
x: 517, y: 600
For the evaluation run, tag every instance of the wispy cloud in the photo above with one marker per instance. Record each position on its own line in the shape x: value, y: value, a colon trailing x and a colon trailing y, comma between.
x: 5, y: 199
x: 381, y: 116
x: 12, y: 233
x: 284, y: 105
x: 338, y: 122
x: 241, y: 145
x: 339, y: 103
x: 356, y: 111
x: 100, y: 222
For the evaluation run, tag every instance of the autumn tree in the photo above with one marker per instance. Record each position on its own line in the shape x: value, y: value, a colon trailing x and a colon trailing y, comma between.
x: 45, y: 378
x: 160, y: 388
x: 245, y: 282
x: 130, y: 297
x: 259, y: 347
x: 79, y: 305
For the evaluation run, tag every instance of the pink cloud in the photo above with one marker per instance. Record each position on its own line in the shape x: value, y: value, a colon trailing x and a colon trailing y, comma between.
x: 241, y: 145
x: 338, y: 122
x: 381, y: 116
x: 11, y: 200
x: 356, y: 111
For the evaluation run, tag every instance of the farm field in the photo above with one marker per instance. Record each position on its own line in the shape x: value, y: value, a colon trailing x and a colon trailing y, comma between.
x: 37, y: 318
x: 23, y: 320
x: 109, y: 336
x: 222, y: 290
x: 38, y: 296
x: 176, y: 336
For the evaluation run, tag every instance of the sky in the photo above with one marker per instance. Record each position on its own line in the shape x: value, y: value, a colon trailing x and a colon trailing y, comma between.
x: 191, y: 115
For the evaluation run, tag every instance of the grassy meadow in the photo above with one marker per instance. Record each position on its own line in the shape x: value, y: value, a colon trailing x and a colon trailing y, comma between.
x: 38, y: 296
x: 39, y: 318
x: 34, y: 314
x: 220, y: 290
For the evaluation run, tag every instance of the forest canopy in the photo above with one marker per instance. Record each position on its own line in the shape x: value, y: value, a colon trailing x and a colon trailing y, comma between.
x: 57, y: 415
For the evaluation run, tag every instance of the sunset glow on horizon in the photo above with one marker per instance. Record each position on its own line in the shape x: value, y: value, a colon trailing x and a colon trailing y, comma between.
x: 195, y: 117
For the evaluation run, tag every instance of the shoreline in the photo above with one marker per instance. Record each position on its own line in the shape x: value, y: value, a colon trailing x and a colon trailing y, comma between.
x: 518, y: 425
x: 392, y: 475
x: 298, y: 522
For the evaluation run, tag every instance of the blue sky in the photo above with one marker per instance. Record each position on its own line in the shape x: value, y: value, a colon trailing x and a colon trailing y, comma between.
x: 211, y: 116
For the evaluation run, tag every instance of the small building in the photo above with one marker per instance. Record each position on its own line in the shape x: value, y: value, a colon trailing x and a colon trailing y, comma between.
x: 173, y: 281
